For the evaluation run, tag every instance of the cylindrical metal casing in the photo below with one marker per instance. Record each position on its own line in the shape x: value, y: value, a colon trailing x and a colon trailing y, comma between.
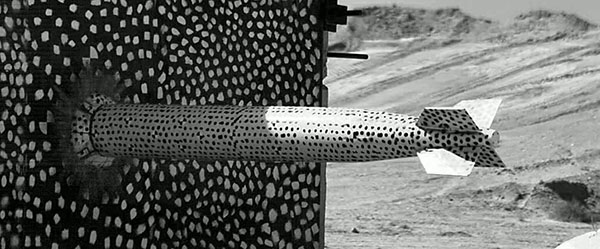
x: 262, y: 133
x: 165, y: 131
x: 321, y: 134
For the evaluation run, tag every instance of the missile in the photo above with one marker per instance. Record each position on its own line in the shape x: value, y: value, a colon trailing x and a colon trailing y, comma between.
x: 448, y: 140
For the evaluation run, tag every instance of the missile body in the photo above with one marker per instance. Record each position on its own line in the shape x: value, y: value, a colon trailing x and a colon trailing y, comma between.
x: 276, y: 133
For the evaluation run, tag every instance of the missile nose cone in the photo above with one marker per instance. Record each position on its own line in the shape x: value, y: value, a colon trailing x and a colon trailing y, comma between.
x: 492, y: 136
x: 81, y: 131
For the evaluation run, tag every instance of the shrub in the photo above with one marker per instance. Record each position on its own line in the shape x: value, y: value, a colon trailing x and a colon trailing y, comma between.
x: 572, y: 211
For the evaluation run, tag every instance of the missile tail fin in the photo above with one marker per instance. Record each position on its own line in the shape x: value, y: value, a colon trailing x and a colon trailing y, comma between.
x: 443, y: 162
x: 469, y: 116
x: 466, y: 116
x: 458, y: 161
x: 482, y: 111
x: 489, y: 158
x: 483, y: 156
x: 446, y: 119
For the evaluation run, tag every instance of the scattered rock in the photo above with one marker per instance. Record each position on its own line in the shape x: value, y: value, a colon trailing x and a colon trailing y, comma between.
x: 455, y: 234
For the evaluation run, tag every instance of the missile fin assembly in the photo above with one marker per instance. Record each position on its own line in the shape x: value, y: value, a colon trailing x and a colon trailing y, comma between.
x: 441, y: 137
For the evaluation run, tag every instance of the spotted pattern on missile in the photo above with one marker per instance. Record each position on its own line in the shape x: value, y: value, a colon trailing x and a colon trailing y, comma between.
x: 446, y: 119
x: 161, y: 52
x: 271, y: 134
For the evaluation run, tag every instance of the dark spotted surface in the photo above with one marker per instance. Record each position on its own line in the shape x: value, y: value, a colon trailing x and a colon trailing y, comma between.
x: 488, y: 158
x: 267, y: 134
x: 449, y: 119
x: 468, y: 153
x: 169, y: 52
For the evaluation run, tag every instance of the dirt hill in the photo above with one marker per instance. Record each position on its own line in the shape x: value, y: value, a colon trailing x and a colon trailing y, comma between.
x: 396, y: 22
x: 393, y: 23
x: 390, y: 23
x: 548, y: 20
x: 541, y: 25
x: 548, y: 75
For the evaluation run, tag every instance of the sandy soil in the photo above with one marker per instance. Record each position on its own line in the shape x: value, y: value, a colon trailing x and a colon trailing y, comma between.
x: 548, y: 122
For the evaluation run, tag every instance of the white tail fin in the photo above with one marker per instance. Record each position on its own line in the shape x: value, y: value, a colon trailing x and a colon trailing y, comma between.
x: 443, y: 162
x: 458, y: 161
x: 482, y: 111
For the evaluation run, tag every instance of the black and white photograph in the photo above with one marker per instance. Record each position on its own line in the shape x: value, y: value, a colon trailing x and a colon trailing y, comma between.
x: 300, y: 124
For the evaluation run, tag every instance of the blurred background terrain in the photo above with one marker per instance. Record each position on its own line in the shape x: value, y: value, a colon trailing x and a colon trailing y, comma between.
x: 545, y: 65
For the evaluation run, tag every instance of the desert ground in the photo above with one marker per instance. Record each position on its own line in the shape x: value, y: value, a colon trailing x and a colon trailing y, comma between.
x: 546, y: 68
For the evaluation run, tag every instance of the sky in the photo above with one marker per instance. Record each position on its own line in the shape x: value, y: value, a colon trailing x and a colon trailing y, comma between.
x: 501, y: 10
